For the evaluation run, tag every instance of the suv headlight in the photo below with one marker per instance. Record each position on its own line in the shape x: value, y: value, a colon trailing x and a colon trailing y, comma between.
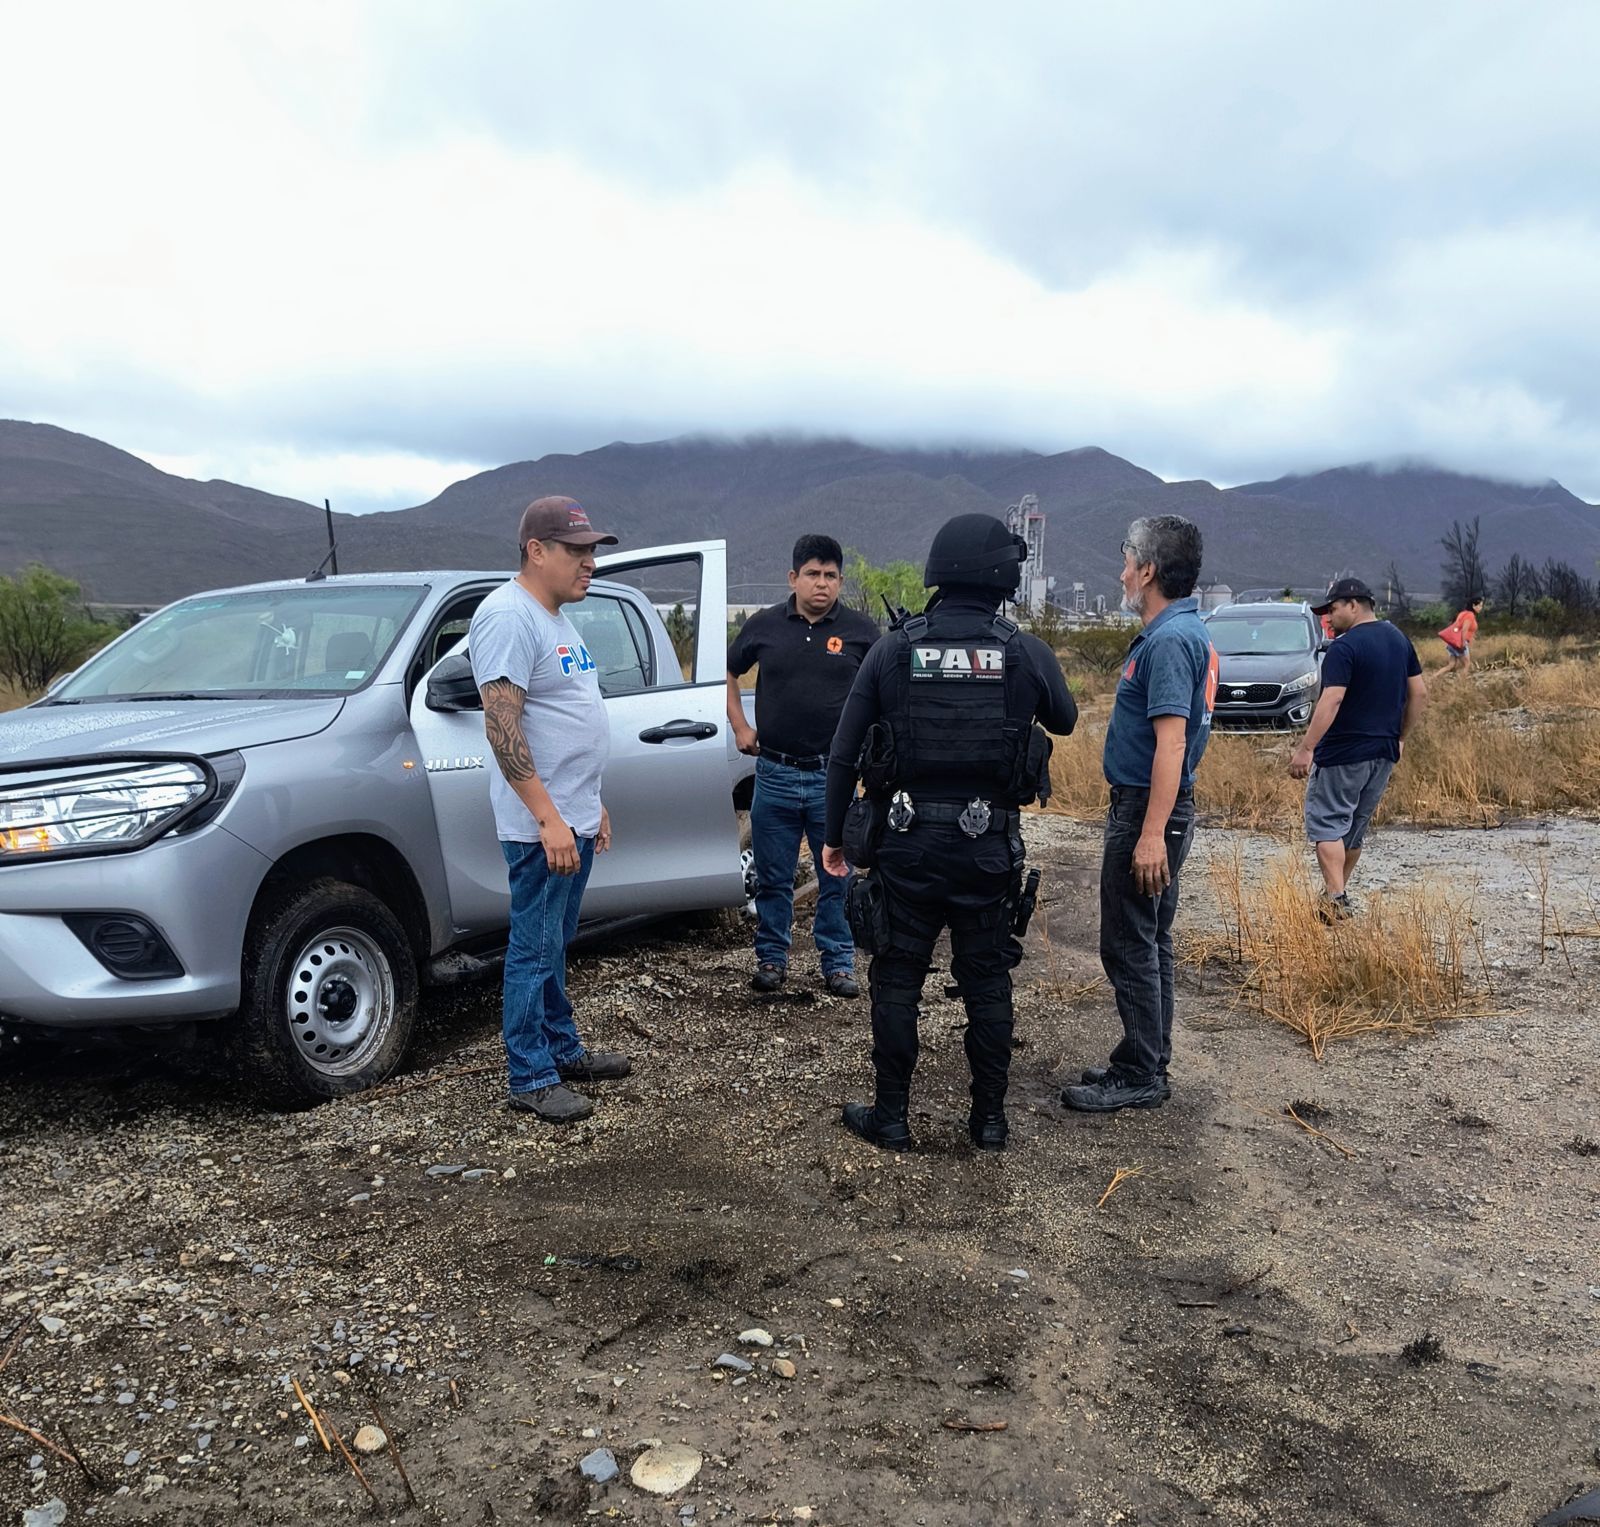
x: 98, y: 810
x: 1305, y: 681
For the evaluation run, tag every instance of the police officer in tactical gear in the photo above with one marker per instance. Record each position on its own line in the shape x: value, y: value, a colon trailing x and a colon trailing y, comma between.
x: 940, y: 727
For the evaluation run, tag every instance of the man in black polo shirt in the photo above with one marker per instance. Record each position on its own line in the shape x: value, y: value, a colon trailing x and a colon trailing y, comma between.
x: 808, y: 650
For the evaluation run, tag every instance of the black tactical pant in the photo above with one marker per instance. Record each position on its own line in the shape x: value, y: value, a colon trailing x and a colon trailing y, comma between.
x: 933, y: 877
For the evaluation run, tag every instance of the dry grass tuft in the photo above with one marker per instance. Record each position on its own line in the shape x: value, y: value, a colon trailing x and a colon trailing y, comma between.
x: 1402, y: 966
x: 1506, y: 741
x: 1244, y: 781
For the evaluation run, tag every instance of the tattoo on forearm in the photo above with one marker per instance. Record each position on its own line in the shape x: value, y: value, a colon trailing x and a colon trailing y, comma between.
x: 502, y: 726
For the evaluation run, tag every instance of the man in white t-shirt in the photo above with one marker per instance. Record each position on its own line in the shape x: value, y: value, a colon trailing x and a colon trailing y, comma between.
x: 546, y: 725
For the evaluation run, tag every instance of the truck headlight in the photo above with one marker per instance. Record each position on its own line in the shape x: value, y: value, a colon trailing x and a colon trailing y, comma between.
x: 98, y: 810
x: 1304, y: 682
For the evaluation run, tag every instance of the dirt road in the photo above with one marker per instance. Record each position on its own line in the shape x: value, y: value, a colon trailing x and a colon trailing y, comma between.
x: 1221, y: 1338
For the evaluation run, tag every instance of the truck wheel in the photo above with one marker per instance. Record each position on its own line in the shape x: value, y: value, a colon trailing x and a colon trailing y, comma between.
x: 747, y: 859
x: 329, y: 993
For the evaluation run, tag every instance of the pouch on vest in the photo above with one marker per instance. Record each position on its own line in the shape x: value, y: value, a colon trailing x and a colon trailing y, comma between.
x: 863, y: 831
x: 867, y: 912
x: 1031, y: 777
x: 876, y: 763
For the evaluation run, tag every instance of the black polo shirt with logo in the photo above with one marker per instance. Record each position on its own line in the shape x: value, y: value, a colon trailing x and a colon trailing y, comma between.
x: 806, y: 672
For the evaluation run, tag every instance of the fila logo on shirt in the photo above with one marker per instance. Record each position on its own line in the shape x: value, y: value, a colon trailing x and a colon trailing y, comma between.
x: 575, y: 662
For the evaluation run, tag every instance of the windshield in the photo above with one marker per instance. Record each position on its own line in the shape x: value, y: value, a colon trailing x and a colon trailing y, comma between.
x: 266, y: 644
x: 1265, y: 636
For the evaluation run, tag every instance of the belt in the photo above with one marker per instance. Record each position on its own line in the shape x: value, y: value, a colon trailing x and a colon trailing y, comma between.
x: 1186, y: 793
x: 1000, y: 818
x: 789, y: 761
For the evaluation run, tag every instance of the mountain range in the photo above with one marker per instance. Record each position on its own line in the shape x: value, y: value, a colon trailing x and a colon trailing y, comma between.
x: 131, y: 534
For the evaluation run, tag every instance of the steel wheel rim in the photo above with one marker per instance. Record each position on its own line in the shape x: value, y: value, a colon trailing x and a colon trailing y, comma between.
x: 341, y: 1001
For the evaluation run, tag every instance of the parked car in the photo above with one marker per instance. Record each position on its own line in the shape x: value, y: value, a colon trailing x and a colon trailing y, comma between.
x: 1269, y: 671
x: 266, y: 806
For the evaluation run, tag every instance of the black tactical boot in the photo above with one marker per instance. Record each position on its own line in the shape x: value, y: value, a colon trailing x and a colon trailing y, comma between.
x: 987, y: 1124
x: 884, y: 1123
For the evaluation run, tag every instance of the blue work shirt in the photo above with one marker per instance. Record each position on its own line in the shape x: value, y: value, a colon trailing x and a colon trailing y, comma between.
x: 1171, y: 671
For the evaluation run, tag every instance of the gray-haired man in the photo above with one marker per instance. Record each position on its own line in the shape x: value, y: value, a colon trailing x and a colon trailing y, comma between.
x: 1160, y: 723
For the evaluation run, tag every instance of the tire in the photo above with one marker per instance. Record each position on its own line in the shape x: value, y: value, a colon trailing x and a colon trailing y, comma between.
x: 747, y: 859
x: 329, y: 995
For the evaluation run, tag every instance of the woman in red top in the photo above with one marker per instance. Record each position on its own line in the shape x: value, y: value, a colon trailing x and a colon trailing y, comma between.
x: 1459, y: 634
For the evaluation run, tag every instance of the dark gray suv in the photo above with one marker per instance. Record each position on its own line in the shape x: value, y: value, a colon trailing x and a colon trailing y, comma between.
x: 1269, y: 665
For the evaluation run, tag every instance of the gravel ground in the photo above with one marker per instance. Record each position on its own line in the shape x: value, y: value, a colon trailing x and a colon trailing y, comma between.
x: 1221, y: 1339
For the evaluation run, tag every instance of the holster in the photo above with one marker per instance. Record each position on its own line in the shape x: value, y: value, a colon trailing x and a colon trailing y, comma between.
x: 877, y: 764
x: 864, y: 821
x: 1027, y: 900
x: 867, y: 911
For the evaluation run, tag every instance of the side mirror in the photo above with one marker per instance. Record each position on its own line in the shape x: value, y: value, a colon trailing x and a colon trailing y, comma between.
x: 451, y: 686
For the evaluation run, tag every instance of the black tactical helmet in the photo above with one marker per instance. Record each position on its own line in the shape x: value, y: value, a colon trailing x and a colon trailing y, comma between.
x: 976, y: 551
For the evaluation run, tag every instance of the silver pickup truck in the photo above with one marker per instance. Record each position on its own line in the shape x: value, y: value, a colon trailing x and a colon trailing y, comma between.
x: 268, y: 805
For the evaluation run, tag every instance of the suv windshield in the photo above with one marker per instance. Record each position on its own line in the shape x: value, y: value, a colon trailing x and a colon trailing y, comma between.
x: 1264, y: 636
x: 265, y: 644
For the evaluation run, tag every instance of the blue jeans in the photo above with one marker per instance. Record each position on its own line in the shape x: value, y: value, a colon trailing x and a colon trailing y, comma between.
x: 788, y: 804
x: 1136, y: 934
x: 536, y: 1016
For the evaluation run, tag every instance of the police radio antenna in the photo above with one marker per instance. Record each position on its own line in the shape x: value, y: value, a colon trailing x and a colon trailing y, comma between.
x: 331, y: 558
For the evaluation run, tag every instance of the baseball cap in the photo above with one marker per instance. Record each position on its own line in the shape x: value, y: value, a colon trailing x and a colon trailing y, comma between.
x: 560, y: 519
x: 1343, y: 588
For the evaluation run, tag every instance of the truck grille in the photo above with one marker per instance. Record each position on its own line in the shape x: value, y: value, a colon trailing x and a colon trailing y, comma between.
x: 1248, y: 694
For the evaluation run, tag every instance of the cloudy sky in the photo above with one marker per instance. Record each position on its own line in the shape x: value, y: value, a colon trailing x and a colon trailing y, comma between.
x: 363, y: 249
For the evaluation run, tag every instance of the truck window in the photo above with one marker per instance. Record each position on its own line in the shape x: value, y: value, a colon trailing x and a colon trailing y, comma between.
x: 602, y: 622
x: 323, y: 637
x: 447, y: 628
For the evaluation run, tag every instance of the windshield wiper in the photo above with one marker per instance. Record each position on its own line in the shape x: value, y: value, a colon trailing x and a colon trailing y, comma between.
x: 172, y: 694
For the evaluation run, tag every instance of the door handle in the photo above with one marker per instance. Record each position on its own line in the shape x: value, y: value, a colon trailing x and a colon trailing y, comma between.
x: 694, y: 731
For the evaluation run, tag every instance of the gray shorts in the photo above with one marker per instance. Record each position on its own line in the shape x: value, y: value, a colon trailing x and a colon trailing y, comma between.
x: 1340, y: 799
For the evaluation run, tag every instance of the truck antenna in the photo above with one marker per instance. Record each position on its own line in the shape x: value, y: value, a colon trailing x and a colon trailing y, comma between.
x: 317, y: 573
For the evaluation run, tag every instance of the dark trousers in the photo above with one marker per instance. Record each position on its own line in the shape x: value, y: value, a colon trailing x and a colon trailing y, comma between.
x: 1136, y: 933
x: 936, y: 877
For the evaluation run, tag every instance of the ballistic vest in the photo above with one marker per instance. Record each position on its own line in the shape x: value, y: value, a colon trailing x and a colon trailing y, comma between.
x: 959, y: 711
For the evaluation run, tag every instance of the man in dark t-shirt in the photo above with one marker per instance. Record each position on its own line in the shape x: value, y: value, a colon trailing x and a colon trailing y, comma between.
x: 1372, y: 694
x: 807, y: 650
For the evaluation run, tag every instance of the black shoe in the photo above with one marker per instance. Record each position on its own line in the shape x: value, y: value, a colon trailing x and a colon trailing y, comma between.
x: 1115, y: 1093
x: 596, y: 1066
x: 987, y: 1126
x: 555, y: 1104
x: 768, y: 977
x: 840, y: 983
x: 1094, y: 1075
x: 887, y: 1130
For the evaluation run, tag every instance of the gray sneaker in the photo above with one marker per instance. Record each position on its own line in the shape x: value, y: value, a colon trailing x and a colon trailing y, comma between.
x: 1093, y: 1076
x: 555, y: 1105
x: 1115, y: 1093
x: 596, y: 1066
